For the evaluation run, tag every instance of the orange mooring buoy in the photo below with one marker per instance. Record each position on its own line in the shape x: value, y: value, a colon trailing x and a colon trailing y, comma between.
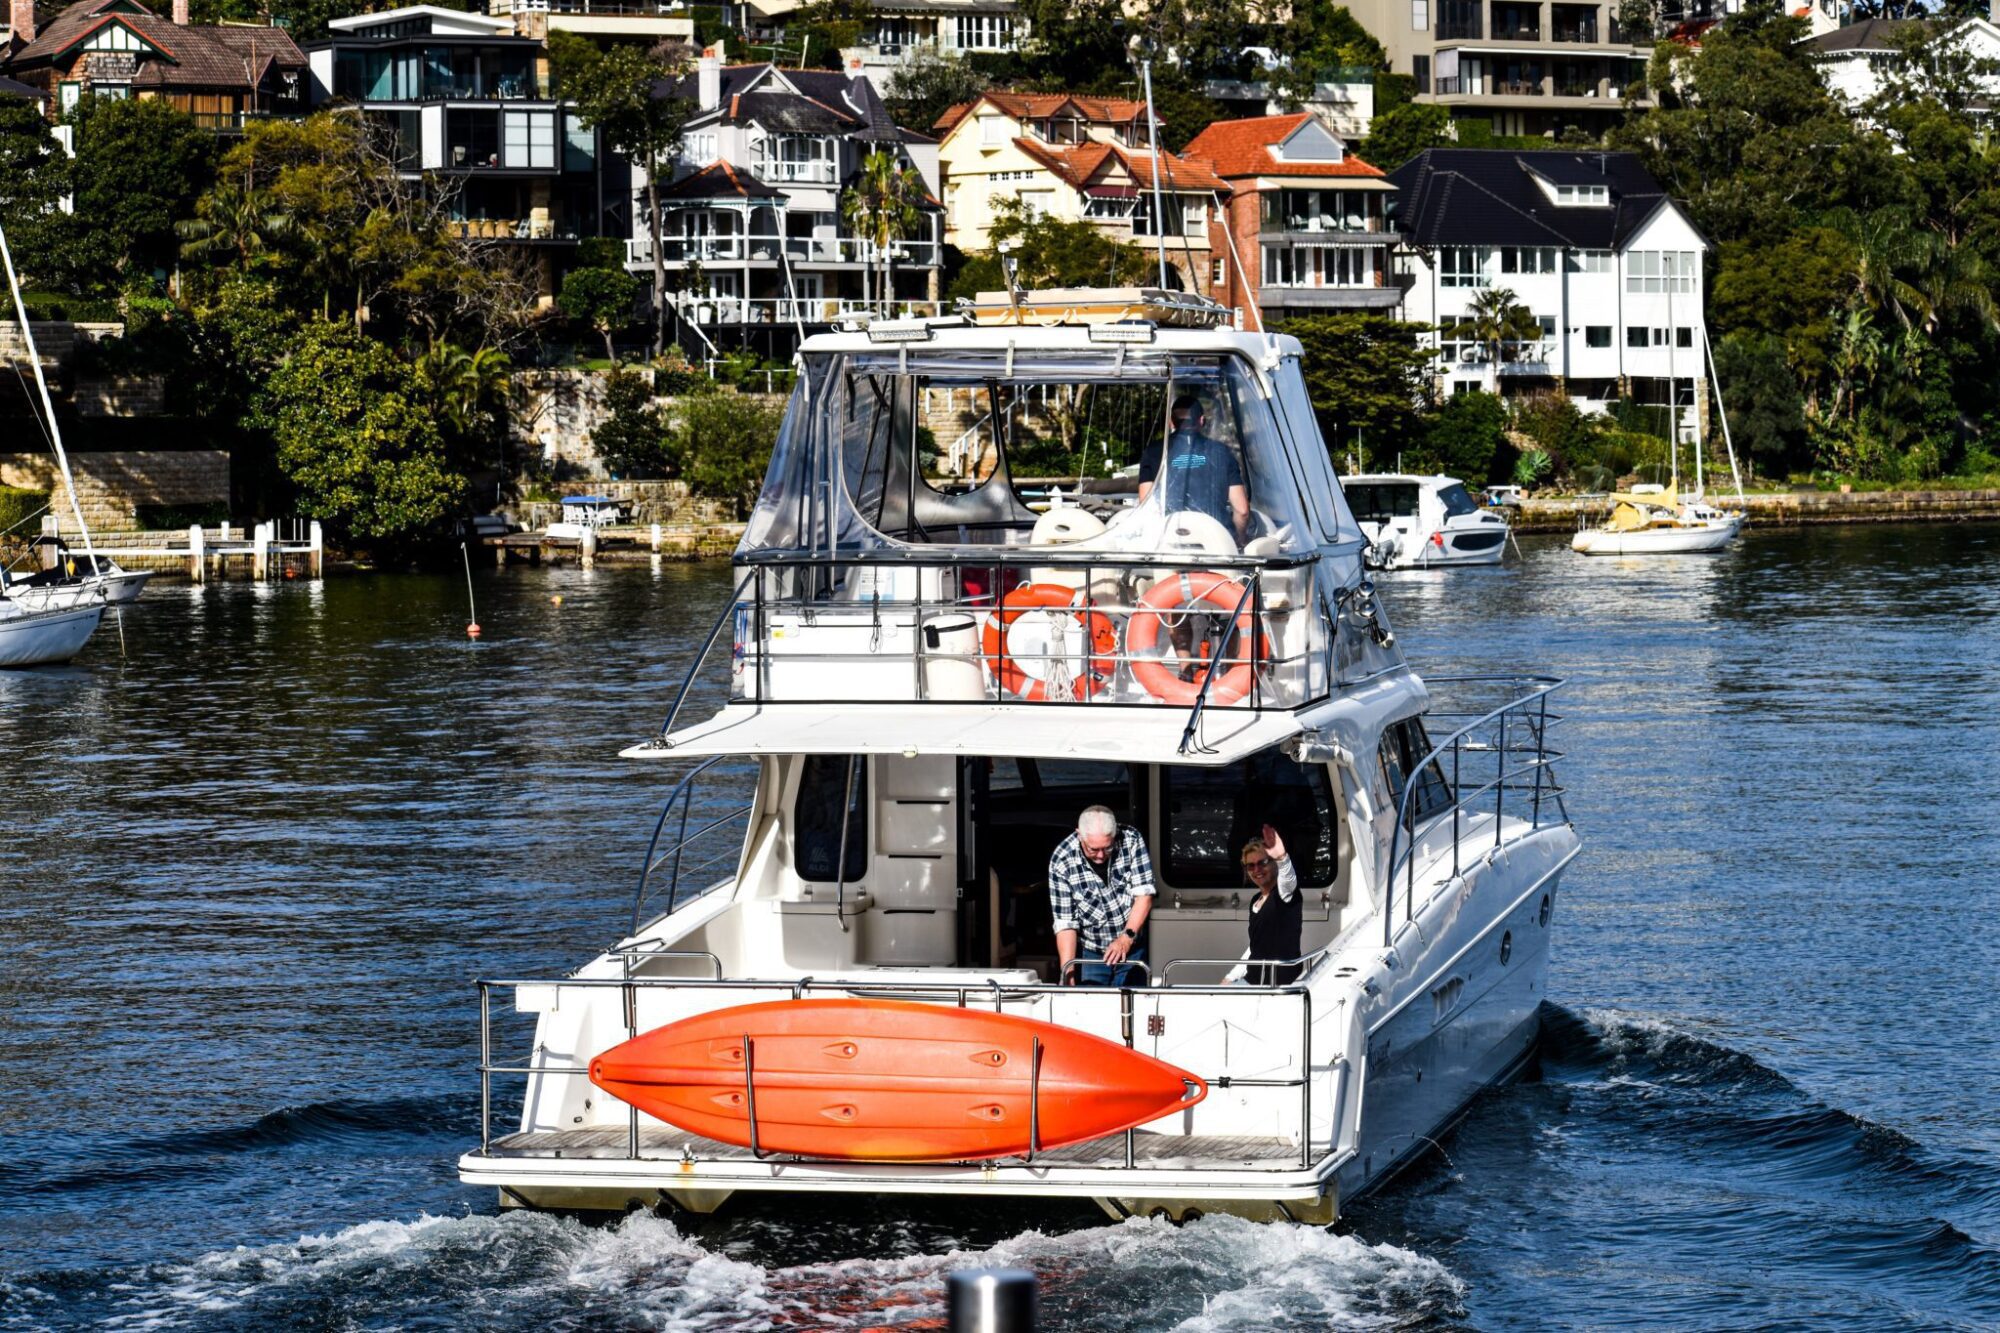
x: 472, y: 630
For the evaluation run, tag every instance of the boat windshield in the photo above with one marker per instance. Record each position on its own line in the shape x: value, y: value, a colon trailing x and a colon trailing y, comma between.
x: 920, y: 447
x: 1456, y: 500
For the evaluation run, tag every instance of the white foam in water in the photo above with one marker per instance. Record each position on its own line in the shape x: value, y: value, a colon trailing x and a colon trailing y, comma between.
x: 525, y: 1269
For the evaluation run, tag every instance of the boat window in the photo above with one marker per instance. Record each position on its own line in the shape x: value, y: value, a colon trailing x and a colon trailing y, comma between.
x: 816, y: 818
x: 1380, y: 501
x: 1295, y: 410
x: 928, y: 446
x: 1456, y: 500
x: 1211, y: 812
x: 1404, y: 745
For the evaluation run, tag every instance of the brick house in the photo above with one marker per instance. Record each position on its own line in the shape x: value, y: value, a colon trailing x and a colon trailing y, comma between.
x: 119, y: 48
x: 1311, y: 223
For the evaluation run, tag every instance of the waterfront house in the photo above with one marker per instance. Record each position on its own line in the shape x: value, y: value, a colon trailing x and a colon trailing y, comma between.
x: 1607, y: 265
x: 1078, y: 159
x: 464, y: 103
x: 753, y: 231
x: 1310, y: 222
x: 1858, y: 60
x: 1523, y: 67
x: 221, y: 75
x: 648, y: 21
x: 897, y: 31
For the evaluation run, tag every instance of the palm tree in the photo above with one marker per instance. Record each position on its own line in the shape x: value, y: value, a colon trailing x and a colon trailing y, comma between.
x: 1496, y: 321
x: 884, y: 205
x: 465, y: 384
x: 232, y: 219
x: 1857, y: 354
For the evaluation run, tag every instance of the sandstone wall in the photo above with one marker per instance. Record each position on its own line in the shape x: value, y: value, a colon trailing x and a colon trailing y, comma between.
x: 112, y: 486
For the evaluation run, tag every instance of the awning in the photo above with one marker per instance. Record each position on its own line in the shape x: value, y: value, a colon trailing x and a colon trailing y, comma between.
x: 1112, y: 191
x: 1027, y: 731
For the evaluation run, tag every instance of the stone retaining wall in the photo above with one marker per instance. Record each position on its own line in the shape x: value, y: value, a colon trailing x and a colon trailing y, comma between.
x: 554, y: 414
x: 1792, y: 507
x: 112, y: 486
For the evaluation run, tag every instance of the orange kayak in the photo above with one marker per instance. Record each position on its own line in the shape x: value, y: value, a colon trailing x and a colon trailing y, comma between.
x: 889, y: 1080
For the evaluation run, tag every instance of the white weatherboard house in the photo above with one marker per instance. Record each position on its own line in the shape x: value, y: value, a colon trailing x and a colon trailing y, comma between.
x: 1589, y: 242
x: 1859, y: 59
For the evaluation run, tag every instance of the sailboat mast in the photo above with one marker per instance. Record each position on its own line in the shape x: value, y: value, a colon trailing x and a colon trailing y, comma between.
x: 1673, y: 388
x: 1153, y: 141
x: 1721, y: 411
x: 48, y: 407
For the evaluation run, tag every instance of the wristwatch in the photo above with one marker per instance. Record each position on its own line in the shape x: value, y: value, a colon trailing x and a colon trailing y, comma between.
x: 1130, y: 933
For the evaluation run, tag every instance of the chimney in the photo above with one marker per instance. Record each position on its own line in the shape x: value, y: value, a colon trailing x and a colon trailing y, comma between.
x: 21, y: 16
x: 708, y: 78
x: 181, y: 12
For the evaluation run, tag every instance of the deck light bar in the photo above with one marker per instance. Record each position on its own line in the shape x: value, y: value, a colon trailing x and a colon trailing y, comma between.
x: 1130, y: 331
x: 899, y: 331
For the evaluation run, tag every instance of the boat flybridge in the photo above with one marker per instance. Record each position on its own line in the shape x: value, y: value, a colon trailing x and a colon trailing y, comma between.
x: 840, y: 971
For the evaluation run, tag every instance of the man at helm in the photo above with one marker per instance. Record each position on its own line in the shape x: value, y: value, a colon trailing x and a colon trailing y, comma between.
x: 1202, y: 473
x: 1100, y: 893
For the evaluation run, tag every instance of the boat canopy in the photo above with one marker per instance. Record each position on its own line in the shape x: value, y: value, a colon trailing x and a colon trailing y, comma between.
x: 856, y: 469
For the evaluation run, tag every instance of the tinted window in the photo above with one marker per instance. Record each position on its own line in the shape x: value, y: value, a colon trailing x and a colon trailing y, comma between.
x: 1456, y: 501
x: 1211, y: 812
x: 1404, y: 746
x: 1380, y: 501
x: 816, y: 819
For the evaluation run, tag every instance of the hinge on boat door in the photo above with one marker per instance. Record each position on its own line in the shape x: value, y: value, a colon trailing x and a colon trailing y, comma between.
x: 1156, y: 1024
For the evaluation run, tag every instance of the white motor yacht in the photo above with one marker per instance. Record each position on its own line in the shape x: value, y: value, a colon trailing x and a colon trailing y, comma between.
x: 839, y: 974
x: 1415, y: 522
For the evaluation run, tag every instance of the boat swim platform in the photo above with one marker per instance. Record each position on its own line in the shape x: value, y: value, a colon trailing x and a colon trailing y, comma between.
x: 670, y: 1147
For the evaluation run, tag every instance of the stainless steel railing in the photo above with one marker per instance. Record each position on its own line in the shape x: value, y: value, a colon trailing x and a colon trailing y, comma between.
x: 1513, y: 740
x: 960, y: 993
x: 682, y: 801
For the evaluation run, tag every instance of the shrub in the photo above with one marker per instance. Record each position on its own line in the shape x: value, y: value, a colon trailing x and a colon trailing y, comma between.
x: 1464, y: 435
x: 723, y: 442
x: 18, y: 508
x: 179, y: 518
x: 632, y: 440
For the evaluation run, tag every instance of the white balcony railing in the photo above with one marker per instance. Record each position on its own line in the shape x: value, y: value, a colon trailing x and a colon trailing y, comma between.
x: 803, y: 251
x: 708, y: 311
x: 797, y: 173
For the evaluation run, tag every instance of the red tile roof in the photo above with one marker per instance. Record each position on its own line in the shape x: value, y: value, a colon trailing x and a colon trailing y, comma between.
x: 1081, y: 164
x: 1237, y: 148
x: 1041, y: 106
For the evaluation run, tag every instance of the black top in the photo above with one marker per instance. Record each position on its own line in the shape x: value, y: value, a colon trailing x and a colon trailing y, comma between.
x: 1275, y: 932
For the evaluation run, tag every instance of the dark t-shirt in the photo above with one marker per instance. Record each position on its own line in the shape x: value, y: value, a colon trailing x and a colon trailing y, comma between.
x: 1199, y: 474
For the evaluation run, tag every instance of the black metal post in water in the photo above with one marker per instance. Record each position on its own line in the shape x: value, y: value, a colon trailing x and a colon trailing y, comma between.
x: 991, y: 1300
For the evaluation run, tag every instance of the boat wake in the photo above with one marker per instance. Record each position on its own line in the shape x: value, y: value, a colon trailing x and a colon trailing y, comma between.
x: 536, y: 1270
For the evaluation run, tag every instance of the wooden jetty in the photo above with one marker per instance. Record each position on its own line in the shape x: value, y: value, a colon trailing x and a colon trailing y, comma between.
x: 266, y: 549
x: 614, y: 544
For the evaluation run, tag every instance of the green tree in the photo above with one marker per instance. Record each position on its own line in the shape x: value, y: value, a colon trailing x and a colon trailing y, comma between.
x: 1499, y: 323
x: 819, y: 30
x: 883, y: 206
x: 140, y: 166
x: 723, y: 441
x: 1074, y: 44
x: 927, y: 85
x: 232, y: 222
x: 357, y: 438
x: 1320, y: 39
x: 603, y: 298
x: 1766, y: 414
x: 34, y: 175
x: 1396, y: 136
x: 1367, y: 376
x: 1053, y: 253
x: 632, y: 439
x: 1464, y: 437
x: 622, y: 92
x: 467, y: 391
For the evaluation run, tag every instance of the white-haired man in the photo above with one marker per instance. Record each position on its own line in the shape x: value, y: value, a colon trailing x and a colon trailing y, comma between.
x: 1100, y: 892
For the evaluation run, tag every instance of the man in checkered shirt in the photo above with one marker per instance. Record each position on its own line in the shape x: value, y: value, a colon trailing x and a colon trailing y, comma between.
x: 1100, y: 891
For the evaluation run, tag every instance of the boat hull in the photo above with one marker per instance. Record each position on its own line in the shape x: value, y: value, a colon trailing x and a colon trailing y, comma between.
x: 119, y: 589
x: 46, y: 638
x: 889, y: 1080
x: 1700, y: 540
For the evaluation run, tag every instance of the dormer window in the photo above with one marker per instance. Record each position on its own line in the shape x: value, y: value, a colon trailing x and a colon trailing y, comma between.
x: 1583, y: 196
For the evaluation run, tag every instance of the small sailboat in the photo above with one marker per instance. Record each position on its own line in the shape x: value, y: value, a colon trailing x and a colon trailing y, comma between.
x: 1663, y: 521
x: 75, y: 580
x: 41, y: 630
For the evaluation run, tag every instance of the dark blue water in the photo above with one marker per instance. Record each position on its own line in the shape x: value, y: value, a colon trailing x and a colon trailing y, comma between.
x: 248, y: 872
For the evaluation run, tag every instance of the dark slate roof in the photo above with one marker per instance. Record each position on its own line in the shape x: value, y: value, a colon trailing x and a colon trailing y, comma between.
x: 1489, y: 196
x: 851, y: 96
x: 15, y: 88
x: 196, y: 55
x: 1867, y: 35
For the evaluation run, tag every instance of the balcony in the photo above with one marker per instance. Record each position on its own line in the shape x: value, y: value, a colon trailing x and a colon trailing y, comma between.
x: 803, y: 251
x: 708, y: 311
x: 1517, y: 23
x: 797, y: 173
x: 1573, y: 24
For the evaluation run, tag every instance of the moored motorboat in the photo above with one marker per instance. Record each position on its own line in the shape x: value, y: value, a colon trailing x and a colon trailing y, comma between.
x: 1422, y: 522
x: 925, y: 685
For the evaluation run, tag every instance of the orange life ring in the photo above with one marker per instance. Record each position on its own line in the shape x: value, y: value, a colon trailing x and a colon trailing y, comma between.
x: 1103, y: 637
x: 1142, y: 635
